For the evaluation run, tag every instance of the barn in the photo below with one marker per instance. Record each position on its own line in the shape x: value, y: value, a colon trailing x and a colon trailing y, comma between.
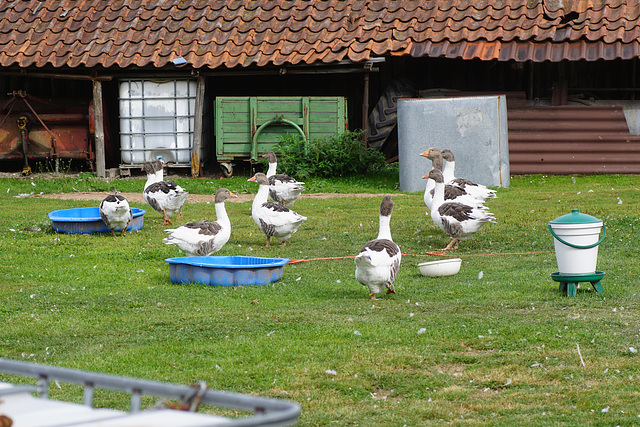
x: 115, y: 83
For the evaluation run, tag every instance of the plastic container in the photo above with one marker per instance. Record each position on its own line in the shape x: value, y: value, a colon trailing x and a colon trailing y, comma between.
x: 443, y: 267
x: 576, y: 240
x: 88, y: 221
x: 157, y: 118
x: 226, y: 270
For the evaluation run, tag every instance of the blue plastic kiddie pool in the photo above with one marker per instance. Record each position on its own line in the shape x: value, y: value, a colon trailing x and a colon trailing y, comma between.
x: 88, y: 220
x: 226, y: 270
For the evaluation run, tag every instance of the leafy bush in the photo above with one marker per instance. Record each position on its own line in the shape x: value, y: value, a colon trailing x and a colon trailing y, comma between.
x: 336, y: 156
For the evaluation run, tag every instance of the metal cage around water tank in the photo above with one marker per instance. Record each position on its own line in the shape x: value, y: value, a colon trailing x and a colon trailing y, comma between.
x: 157, y: 118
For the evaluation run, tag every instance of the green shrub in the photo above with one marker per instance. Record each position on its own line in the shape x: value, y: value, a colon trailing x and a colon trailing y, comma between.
x: 336, y: 156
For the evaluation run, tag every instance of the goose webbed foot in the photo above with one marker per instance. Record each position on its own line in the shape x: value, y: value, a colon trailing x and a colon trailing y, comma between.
x: 453, y: 244
x: 165, y: 219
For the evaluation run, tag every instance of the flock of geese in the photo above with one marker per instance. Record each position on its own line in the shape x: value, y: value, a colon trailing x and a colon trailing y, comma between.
x: 456, y: 205
x: 204, y: 238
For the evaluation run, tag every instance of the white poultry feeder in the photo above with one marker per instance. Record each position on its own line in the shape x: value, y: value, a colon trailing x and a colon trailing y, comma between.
x: 576, y: 240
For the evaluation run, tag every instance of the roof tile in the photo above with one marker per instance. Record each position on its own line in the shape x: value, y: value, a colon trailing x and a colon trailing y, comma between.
x: 219, y: 33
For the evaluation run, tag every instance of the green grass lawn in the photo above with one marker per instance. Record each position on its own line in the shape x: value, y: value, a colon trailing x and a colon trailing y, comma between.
x: 496, y: 344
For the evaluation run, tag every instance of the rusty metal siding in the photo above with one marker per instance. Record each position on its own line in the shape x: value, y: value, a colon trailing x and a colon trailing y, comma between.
x: 571, y: 139
x: 52, y: 129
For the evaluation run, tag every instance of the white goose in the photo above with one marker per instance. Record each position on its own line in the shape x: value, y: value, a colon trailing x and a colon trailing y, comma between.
x: 478, y: 191
x: 460, y: 221
x: 166, y: 197
x: 116, y: 212
x: 282, y: 188
x: 274, y: 219
x: 378, y: 262
x: 203, y: 238
x: 452, y: 193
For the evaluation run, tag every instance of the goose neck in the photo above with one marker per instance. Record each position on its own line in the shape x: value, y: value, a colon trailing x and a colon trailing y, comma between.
x: 438, y: 193
x: 152, y: 178
x: 448, y: 170
x: 262, y: 195
x: 384, y: 228
x: 221, y: 213
x: 272, y: 169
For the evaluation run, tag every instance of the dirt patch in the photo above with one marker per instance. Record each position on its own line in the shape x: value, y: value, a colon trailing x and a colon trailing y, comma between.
x: 193, y: 198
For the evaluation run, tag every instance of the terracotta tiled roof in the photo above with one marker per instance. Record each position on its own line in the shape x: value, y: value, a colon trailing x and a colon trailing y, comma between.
x: 240, y: 33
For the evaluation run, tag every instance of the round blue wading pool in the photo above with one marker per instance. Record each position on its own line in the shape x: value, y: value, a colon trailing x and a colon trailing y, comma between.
x: 88, y: 220
x: 225, y: 270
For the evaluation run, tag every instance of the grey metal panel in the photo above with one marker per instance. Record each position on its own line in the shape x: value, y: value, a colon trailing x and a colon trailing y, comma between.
x: 473, y: 128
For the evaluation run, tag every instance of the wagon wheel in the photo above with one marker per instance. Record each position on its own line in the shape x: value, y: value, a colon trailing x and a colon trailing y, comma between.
x: 227, y: 169
x: 383, y: 118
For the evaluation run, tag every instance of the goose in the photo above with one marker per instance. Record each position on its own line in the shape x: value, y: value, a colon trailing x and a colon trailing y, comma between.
x: 378, y: 262
x: 478, y: 191
x: 166, y: 197
x: 282, y: 188
x: 116, y: 212
x: 274, y: 219
x: 459, y: 220
x: 203, y: 238
x: 451, y: 192
x: 155, y: 173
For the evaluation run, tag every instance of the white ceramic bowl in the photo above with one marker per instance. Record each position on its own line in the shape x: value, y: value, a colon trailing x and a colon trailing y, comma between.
x: 442, y: 267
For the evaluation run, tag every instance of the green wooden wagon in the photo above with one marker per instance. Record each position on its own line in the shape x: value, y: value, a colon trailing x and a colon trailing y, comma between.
x: 246, y: 127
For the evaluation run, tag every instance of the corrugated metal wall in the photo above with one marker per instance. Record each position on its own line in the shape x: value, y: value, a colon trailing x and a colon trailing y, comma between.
x: 571, y: 139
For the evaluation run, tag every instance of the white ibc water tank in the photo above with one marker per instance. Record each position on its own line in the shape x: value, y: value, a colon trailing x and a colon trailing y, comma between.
x: 474, y: 128
x: 156, y: 118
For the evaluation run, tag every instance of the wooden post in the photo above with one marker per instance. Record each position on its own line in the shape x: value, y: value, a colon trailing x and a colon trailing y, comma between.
x: 559, y: 95
x: 99, y: 128
x: 197, y: 128
x: 365, y: 109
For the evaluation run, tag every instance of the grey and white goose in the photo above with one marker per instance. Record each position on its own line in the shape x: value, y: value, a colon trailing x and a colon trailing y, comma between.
x: 452, y: 193
x: 479, y: 191
x: 274, y: 219
x: 378, y: 262
x: 203, y: 238
x: 460, y: 221
x: 116, y: 212
x: 282, y: 188
x: 165, y: 196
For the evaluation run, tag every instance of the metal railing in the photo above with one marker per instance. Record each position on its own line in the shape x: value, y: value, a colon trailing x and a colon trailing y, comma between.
x: 266, y: 411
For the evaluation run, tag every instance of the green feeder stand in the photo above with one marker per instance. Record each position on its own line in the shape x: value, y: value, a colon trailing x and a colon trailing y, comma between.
x: 569, y: 282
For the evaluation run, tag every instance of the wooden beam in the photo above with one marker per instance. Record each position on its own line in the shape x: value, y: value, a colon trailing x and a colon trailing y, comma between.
x: 99, y: 128
x: 197, y: 128
x: 365, y: 110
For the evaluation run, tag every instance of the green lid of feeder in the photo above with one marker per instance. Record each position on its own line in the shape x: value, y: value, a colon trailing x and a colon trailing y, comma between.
x: 575, y: 217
